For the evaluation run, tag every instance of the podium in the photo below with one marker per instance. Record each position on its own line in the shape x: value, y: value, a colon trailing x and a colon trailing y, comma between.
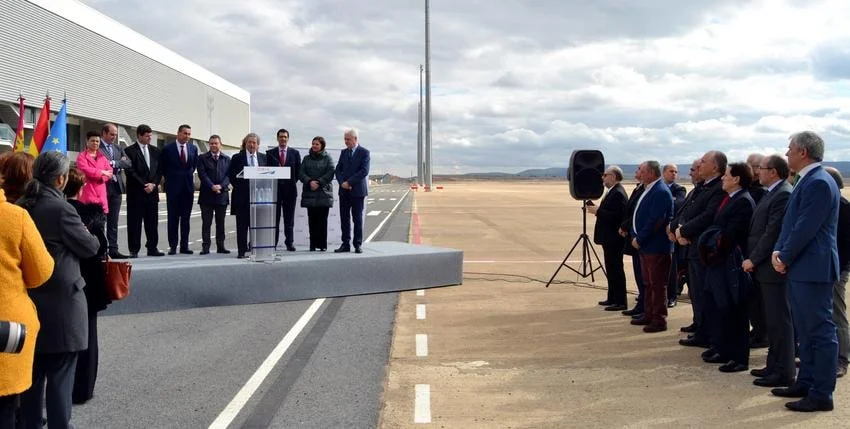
x: 262, y: 185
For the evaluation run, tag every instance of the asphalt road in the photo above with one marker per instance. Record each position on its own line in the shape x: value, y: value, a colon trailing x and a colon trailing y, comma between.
x: 182, y: 368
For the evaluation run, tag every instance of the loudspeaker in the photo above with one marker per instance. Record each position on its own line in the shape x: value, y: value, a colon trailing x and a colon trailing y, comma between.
x: 585, y: 174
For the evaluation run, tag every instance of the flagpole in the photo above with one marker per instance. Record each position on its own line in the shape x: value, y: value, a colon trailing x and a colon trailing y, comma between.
x: 428, y: 173
x: 419, y: 148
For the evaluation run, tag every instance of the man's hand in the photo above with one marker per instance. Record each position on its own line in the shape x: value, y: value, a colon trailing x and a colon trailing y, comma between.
x: 592, y: 209
x: 635, y: 244
x: 671, y: 236
x: 748, y: 266
x: 149, y: 187
x: 778, y: 265
x: 623, y: 233
x: 345, y: 185
x: 216, y: 189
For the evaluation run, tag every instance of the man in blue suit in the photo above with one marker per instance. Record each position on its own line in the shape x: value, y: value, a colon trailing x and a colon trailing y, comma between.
x: 653, y: 212
x: 352, y: 173
x: 807, y: 253
x: 287, y: 191
x: 177, y: 165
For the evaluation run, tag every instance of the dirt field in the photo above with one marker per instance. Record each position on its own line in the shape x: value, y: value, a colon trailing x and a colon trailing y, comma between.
x: 506, y: 352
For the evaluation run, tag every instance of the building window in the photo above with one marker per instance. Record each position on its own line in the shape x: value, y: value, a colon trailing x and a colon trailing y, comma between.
x: 29, y: 115
x: 74, y: 138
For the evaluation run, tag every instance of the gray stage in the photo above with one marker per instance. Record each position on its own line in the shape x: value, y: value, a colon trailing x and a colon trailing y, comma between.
x: 192, y: 281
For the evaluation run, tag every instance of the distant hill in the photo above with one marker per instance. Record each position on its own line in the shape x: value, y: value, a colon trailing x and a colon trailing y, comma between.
x: 544, y: 172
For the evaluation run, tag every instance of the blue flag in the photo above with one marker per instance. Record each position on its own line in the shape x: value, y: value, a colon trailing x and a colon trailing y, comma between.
x: 58, y: 137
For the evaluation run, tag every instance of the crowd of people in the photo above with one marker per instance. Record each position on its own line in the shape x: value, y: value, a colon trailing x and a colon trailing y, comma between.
x: 764, y: 248
x: 61, y: 223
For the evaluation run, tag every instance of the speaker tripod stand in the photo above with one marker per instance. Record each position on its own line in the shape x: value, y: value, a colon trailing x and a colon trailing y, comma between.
x: 587, y: 268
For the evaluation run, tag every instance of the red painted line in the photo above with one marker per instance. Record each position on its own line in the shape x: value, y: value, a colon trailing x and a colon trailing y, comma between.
x: 417, y: 238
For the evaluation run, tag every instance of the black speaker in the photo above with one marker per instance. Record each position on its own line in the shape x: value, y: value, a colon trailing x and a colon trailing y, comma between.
x: 585, y: 174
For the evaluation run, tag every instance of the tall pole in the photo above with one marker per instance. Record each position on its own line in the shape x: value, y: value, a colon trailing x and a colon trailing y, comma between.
x: 428, y: 173
x: 420, y: 174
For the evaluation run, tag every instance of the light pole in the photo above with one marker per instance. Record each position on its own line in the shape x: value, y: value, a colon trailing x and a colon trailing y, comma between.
x: 420, y: 174
x: 428, y: 175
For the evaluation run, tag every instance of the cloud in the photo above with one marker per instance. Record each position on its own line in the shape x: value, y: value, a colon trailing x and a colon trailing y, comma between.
x: 521, y: 83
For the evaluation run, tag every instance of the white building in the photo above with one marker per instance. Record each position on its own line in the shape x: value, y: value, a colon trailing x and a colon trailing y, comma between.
x: 109, y: 73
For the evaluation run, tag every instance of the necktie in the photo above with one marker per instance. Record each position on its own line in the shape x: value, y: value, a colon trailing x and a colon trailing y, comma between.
x: 252, y: 161
x: 350, y: 153
x: 147, y: 157
x: 183, y: 154
x: 109, y: 149
x: 725, y: 200
x: 282, y: 157
x: 112, y: 162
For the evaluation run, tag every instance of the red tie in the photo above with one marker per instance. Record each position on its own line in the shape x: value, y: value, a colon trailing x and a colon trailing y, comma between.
x: 282, y: 157
x: 182, y: 154
x: 725, y: 200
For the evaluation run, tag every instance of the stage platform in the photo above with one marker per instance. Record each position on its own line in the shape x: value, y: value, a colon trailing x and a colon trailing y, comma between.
x: 192, y: 281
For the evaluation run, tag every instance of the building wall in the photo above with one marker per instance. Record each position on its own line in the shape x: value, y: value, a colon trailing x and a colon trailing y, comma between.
x: 105, y: 80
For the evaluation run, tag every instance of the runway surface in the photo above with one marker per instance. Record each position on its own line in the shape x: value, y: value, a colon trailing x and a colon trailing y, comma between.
x: 193, y: 368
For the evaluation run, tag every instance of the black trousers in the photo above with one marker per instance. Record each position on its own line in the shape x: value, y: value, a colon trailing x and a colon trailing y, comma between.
x: 287, y: 208
x: 641, y: 285
x: 8, y: 410
x: 351, y: 208
x: 56, y: 371
x: 179, y: 208
x: 207, y: 213
x: 113, y: 198
x: 730, y: 328
x: 756, y: 311
x: 317, y: 220
x: 613, y: 256
x: 243, y: 223
x: 696, y: 287
x: 673, y: 279
x: 85, y: 375
x: 139, y: 211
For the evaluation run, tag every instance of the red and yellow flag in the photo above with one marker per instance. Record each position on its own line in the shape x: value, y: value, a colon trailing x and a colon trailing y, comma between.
x: 19, y: 137
x: 42, y: 129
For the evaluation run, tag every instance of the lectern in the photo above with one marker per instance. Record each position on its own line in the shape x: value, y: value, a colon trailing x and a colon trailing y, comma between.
x: 262, y: 184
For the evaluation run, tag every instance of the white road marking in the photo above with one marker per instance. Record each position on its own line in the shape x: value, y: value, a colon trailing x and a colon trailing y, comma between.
x: 235, y: 406
x: 382, y: 199
x: 420, y: 311
x: 421, y: 345
x: 373, y: 213
x: 381, y: 225
x: 422, y: 404
x: 420, y: 292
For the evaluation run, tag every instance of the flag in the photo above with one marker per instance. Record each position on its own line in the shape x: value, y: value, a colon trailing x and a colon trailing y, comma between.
x: 19, y: 137
x: 58, y: 137
x: 39, y: 134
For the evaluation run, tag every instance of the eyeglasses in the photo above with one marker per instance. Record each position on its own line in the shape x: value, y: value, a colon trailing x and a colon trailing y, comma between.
x: 764, y: 168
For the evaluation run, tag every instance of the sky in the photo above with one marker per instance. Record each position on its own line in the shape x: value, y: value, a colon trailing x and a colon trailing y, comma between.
x: 520, y: 84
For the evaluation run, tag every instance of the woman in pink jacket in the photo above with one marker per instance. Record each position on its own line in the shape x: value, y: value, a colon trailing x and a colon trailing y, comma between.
x: 97, y: 170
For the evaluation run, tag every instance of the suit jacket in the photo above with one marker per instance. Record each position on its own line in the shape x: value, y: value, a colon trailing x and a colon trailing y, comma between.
x: 679, y: 194
x: 844, y: 234
x: 626, y: 224
x: 61, y: 302
x: 139, y: 173
x: 734, y: 218
x: 119, y: 162
x: 764, y: 231
x: 354, y: 170
x: 287, y: 189
x: 241, y: 198
x: 212, y: 172
x: 651, y: 219
x: 699, y: 214
x: 179, y: 177
x: 807, y: 243
x: 609, y: 216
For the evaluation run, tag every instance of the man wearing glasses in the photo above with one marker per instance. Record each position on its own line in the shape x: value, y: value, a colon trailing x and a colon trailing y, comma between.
x: 609, y: 216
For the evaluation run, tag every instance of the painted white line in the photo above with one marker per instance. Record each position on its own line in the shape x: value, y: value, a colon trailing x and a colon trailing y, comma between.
x: 235, y: 406
x: 422, y: 404
x: 392, y: 199
x: 420, y: 292
x: 421, y: 345
x: 382, y: 199
x: 381, y: 225
x: 420, y: 311
x: 373, y: 213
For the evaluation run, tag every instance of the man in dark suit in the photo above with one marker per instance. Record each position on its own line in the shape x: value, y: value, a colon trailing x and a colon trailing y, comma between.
x: 670, y: 174
x: 653, y: 212
x: 352, y: 173
x: 177, y: 165
x: 758, y: 335
x: 143, y: 194
x: 609, y: 216
x: 839, y: 305
x: 241, y: 198
x: 287, y: 191
x: 625, y: 227
x: 115, y: 187
x: 807, y: 253
x: 686, y: 228
x: 214, y: 194
x: 757, y: 191
x: 764, y: 231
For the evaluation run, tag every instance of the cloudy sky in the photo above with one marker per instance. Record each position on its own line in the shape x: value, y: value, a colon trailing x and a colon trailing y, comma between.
x: 520, y: 84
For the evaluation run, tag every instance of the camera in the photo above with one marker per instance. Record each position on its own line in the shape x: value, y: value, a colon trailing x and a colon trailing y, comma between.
x: 12, y: 336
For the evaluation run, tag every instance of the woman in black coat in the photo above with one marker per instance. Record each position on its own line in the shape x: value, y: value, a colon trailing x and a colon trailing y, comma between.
x: 91, y: 269
x: 317, y: 196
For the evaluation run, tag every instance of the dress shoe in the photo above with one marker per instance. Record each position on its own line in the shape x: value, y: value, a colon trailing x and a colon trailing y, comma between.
x: 172, y: 251
x: 772, y: 380
x: 672, y: 302
x: 605, y: 303
x: 342, y: 249
x: 795, y: 391
x: 654, y: 327
x: 689, y: 329
x: 615, y: 307
x: 117, y: 255
x: 808, y: 405
x: 241, y: 255
x: 707, y: 353
x: 155, y: 252
x: 841, y: 369
x: 761, y: 372
x: 631, y: 312
x: 223, y: 251
x: 312, y: 249
x: 640, y: 322
x: 205, y: 251
x: 134, y: 255
x: 693, y: 342
x: 186, y: 251
x: 290, y: 248
x: 733, y: 366
x: 358, y: 250
x: 323, y: 249
x: 716, y: 358
x: 637, y: 316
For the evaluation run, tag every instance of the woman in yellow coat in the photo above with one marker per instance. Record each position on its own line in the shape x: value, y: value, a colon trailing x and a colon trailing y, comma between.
x: 24, y: 263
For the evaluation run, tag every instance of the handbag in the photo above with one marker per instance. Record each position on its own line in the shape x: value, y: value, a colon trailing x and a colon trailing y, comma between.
x: 117, y: 274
